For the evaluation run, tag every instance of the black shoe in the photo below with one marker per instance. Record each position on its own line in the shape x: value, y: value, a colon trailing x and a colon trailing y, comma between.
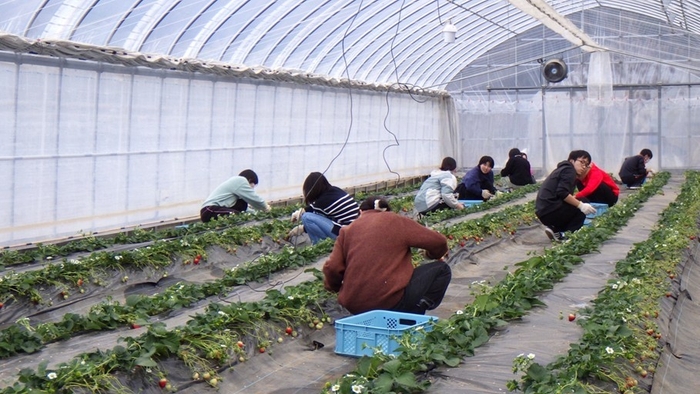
x: 554, y: 236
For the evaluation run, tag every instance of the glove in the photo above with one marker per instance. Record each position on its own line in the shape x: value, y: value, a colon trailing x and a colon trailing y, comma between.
x: 485, y: 194
x: 297, y: 214
x: 296, y: 231
x: 267, y: 207
x: 651, y: 172
x: 499, y: 193
x: 587, y: 209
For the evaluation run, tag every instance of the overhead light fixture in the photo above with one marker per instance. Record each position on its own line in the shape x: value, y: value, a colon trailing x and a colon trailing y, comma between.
x: 449, y: 32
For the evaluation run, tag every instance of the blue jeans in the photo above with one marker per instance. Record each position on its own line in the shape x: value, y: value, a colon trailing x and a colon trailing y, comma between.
x: 318, y: 227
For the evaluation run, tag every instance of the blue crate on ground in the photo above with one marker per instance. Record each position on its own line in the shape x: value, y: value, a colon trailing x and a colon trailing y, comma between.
x: 600, y: 209
x: 470, y: 203
x: 376, y: 329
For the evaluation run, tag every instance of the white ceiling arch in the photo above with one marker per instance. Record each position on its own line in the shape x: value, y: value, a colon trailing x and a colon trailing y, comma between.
x: 335, y: 38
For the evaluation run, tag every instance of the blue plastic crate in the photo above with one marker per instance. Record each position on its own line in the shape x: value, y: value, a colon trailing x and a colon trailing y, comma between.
x: 600, y: 209
x: 470, y: 203
x: 376, y: 329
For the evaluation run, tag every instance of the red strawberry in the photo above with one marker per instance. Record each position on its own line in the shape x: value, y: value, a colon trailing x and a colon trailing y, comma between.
x: 289, y: 330
x: 135, y: 326
x: 572, y: 317
x: 162, y: 382
x: 80, y: 282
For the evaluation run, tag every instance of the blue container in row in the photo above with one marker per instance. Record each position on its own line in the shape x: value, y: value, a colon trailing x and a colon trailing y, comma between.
x: 358, y: 335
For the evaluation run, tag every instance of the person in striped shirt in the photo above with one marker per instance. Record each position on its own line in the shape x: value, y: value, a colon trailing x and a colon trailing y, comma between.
x: 327, y: 209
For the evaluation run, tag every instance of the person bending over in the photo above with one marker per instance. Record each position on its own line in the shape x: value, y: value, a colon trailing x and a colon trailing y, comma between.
x: 438, y: 191
x: 633, y: 172
x: 518, y: 169
x: 596, y: 185
x: 233, y: 196
x: 328, y: 208
x: 371, y: 266
x: 477, y: 183
x: 555, y: 205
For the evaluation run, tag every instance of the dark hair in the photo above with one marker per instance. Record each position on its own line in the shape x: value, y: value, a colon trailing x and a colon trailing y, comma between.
x: 250, y: 175
x: 315, y: 184
x: 579, y: 154
x: 486, y: 159
x: 374, y: 202
x: 646, y: 152
x: 513, y: 152
x: 448, y: 164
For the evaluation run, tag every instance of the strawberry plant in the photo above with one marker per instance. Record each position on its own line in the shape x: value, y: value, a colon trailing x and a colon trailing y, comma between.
x: 620, y: 344
x: 452, y: 339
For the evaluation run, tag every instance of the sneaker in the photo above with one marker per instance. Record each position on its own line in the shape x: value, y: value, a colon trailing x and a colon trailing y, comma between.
x: 550, y: 234
x: 554, y: 236
x: 634, y: 187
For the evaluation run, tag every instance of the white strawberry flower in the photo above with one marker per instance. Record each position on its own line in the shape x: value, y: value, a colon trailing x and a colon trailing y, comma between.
x: 51, y: 375
x: 357, y: 388
x: 609, y: 350
x: 335, y: 388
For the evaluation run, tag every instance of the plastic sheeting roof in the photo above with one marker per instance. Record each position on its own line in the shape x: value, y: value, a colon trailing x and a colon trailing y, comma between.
x: 380, y: 41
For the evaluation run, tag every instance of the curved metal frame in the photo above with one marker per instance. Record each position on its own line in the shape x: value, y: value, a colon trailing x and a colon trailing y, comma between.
x: 373, y: 52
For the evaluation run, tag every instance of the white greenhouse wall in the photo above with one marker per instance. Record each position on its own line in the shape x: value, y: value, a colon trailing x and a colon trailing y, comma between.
x: 88, y: 147
x: 549, y: 126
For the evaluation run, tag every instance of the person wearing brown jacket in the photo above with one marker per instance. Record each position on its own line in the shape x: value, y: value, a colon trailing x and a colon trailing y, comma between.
x: 371, y: 266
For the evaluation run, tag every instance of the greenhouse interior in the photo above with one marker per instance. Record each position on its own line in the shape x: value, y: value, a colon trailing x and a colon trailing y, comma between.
x: 123, y: 121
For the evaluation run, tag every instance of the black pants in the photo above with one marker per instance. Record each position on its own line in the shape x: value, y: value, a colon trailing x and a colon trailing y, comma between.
x: 634, y: 180
x: 565, y: 218
x: 465, y: 194
x: 212, y: 211
x: 426, y: 288
x: 602, y: 195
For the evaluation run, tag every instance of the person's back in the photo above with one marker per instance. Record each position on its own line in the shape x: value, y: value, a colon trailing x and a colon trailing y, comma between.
x: 558, y: 184
x: 438, y: 191
x: 233, y: 196
x: 371, y: 263
x: 633, y: 171
x: 337, y: 205
x: 518, y: 171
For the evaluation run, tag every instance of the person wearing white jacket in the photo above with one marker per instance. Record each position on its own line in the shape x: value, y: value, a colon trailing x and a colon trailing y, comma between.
x: 438, y: 191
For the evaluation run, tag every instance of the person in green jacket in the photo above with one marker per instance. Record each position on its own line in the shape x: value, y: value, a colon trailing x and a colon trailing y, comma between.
x: 233, y: 196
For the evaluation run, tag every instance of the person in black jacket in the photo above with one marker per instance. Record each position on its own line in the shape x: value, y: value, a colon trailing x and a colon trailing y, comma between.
x: 517, y: 169
x: 327, y: 209
x: 633, y: 172
x: 555, y: 205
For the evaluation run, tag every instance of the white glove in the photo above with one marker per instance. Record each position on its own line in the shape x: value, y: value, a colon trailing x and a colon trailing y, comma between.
x: 267, y: 207
x: 651, y: 172
x: 499, y: 193
x: 297, y: 214
x: 485, y: 194
x: 587, y: 209
x: 298, y: 230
